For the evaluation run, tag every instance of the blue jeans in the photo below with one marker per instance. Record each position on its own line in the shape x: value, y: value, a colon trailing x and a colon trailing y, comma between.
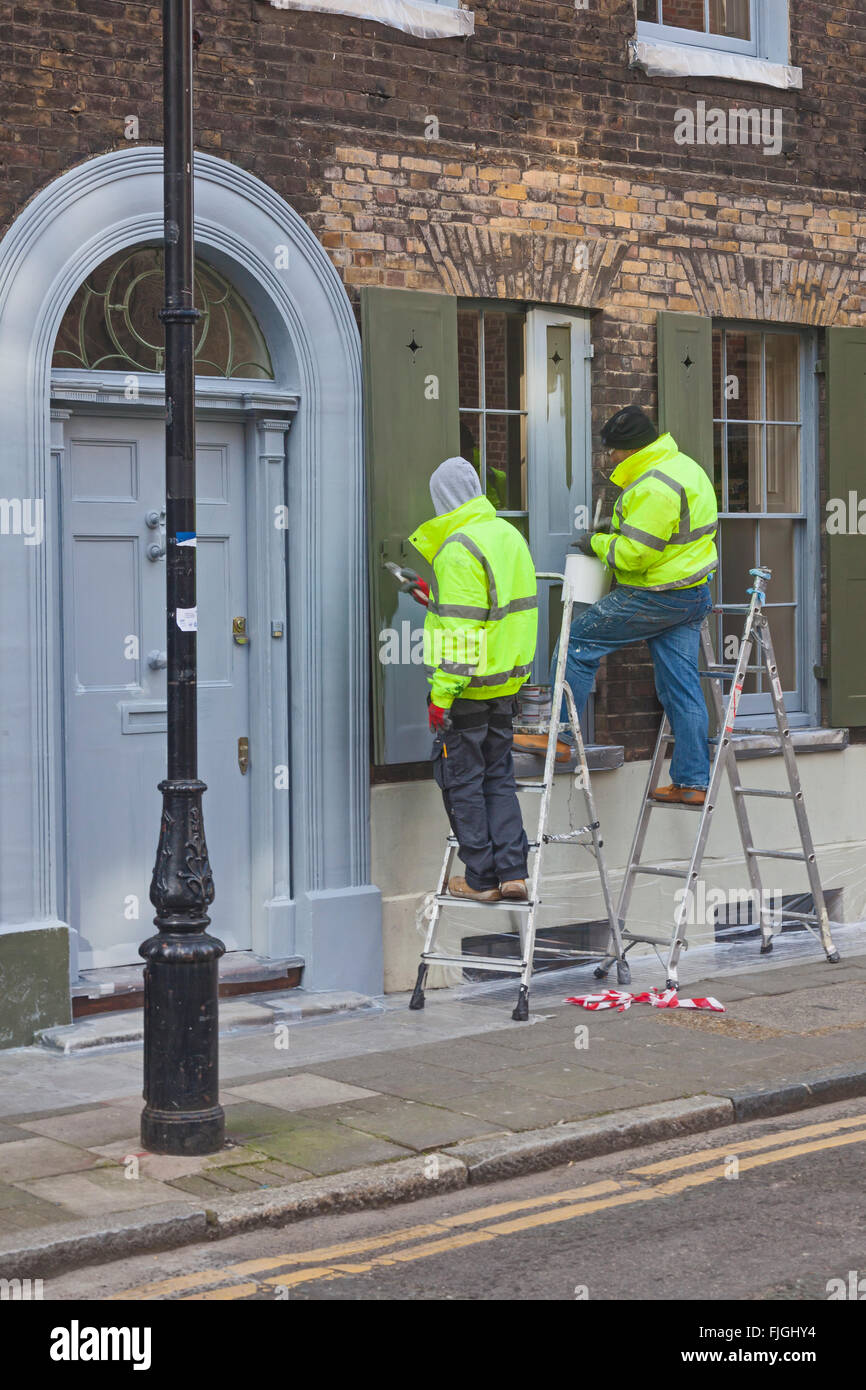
x: 670, y: 624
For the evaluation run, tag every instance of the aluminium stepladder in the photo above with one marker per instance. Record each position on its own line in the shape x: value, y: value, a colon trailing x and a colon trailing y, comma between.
x: 589, y: 835
x: 756, y: 633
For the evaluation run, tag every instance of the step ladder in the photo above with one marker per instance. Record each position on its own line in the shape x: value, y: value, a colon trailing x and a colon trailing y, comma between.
x: 756, y: 633
x: 587, y: 835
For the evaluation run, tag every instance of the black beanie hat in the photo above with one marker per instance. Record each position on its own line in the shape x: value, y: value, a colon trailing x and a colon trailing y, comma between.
x: 629, y: 429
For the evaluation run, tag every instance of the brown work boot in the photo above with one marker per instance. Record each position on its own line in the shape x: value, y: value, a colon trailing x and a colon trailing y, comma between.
x: 689, y: 796
x: 514, y: 889
x: 459, y: 888
x: 537, y: 743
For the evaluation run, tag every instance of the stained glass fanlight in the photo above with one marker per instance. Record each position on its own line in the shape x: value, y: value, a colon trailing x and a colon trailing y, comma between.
x: 112, y: 322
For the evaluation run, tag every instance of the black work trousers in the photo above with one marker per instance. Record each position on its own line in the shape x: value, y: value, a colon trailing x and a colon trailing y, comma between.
x: 474, y: 769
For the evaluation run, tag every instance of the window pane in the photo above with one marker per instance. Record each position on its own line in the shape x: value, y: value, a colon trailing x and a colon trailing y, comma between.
x: 782, y: 621
x: 742, y: 387
x: 648, y: 10
x: 739, y: 555
x: 783, y: 468
x: 506, y: 462
x: 732, y: 631
x: 744, y: 468
x: 777, y: 553
x: 782, y: 357
x: 717, y: 466
x: 468, y: 356
x: 717, y: 374
x: 684, y: 14
x: 470, y: 439
x: 730, y: 17
x: 503, y: 361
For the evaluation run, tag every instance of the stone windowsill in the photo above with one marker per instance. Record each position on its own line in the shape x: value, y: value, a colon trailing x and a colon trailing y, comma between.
x: 661, y: 59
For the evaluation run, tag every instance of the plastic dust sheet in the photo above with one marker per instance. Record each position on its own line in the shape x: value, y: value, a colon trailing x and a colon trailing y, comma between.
x: 723, y: 916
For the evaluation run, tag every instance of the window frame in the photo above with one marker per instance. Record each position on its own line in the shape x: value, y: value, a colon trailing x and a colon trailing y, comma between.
x: 755, y: 710
x: 481, y: 411
x: 771, y: 42
x: 695, y: 38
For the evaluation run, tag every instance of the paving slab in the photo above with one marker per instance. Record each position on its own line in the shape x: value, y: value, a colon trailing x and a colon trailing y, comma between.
x: 40, y: 1158
x: 166, y: 1167
x: 97, y: 1193
x: 411, y: 1124
x: 101, y: 1124
x: 327, y: 1148
x: 301, y: 1091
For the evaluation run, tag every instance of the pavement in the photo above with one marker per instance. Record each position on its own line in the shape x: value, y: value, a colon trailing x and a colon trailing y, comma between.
x: 378, y: 1105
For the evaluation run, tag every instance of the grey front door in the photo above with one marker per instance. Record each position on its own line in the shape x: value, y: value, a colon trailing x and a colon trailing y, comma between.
x: 114, y: 643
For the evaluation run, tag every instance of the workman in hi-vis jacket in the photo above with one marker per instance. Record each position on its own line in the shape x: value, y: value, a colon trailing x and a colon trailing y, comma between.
x: 479, y: 642
x: 660, y: 546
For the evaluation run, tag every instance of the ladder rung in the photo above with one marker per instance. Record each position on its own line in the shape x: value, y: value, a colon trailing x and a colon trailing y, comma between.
x: 662, y: 873
x: 530, y: 786
x: 761, y: 791
x: 652, y: 800
x: 511, y: 967
x: 783, y: 913
x: 776, y: 854
x: 504, y: 905
x: 571, y: 836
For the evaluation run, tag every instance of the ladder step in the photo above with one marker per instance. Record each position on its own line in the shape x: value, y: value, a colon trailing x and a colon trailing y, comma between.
x: 776, y: 854
x: 504, y: 905
x: 530, y: 786
x: 677, y: 805
x: 761, y: 791
x: 661, y: 873
x: 571, y: 836
x: 510, y: 967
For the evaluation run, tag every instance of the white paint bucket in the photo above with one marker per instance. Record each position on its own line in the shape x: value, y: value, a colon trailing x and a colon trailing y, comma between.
x: 588, y: 577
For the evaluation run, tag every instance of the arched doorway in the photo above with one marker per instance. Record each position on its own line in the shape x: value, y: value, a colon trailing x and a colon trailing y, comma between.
x: 301, y: 439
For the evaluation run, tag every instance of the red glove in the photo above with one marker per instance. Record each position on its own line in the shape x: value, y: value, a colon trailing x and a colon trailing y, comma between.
x: 436, y: 718
x: 420, y: 586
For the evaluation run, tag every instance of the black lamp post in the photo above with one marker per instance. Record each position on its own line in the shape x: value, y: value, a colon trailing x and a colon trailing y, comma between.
x: 182, y: 1114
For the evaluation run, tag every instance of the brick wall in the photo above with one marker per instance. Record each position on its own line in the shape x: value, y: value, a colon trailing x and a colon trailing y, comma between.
x: 538, y: 129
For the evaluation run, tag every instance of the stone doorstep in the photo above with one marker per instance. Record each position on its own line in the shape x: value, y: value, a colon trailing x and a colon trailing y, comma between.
x: 256, y: 1012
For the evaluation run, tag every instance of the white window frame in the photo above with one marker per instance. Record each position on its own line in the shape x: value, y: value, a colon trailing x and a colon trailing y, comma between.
x: 692, y: 38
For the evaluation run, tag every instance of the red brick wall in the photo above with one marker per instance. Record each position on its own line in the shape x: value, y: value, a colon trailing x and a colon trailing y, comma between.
x: 542, y: 128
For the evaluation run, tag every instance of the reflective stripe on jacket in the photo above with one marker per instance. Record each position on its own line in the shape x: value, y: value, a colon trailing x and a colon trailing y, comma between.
x: 664, y: 520
x: 482, y: 620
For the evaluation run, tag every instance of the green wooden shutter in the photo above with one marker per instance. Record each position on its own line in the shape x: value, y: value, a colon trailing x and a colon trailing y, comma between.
x: 411, y: 425
x: 685, y: 375
x: 846, y: 554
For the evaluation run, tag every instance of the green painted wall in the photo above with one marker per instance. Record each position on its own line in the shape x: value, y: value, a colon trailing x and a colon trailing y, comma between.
x: 34, y: 983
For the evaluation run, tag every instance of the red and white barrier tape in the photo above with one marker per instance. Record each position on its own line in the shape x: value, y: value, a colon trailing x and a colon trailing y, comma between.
x: 621, y: 999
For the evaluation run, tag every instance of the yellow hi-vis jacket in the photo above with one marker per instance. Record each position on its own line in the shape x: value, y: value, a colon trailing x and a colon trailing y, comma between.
x: 482, y: 619
x: 664, y: 520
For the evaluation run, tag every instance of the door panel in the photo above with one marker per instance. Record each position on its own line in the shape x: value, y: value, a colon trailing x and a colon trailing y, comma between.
x: 114, y: 641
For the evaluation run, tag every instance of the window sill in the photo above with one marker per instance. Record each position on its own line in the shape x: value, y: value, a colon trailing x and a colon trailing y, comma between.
x: 424, y: 21
x: 660, y: 59
x: 757, y: 744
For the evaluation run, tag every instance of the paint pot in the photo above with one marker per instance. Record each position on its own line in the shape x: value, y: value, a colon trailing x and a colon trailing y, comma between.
x: 588, y: 577
x: 534, y: 702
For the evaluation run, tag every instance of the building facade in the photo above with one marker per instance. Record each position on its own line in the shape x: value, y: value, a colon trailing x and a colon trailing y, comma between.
x: 422, y: 229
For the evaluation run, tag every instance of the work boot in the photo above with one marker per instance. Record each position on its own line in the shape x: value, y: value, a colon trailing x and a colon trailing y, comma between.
x: 514, y: 889
x: 689, y: 796
x: 459, y: 888
x: 537, y: 743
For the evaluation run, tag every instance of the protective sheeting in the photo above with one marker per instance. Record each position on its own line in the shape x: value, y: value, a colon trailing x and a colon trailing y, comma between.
x: 425, y: 21
x: 660, y: 59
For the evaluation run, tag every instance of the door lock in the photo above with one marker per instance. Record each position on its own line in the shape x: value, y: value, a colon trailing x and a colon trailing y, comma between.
x: 243, y: 755
x: 157, y: 661
x: 239, y: 631
x: 155, y: 521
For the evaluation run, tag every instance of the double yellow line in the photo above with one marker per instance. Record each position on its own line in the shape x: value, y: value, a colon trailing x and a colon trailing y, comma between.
x: 645, y: 1183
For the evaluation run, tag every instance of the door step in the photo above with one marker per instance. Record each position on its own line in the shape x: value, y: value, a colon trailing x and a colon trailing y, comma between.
x: 121, y: 987
x: 125, y: 1027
